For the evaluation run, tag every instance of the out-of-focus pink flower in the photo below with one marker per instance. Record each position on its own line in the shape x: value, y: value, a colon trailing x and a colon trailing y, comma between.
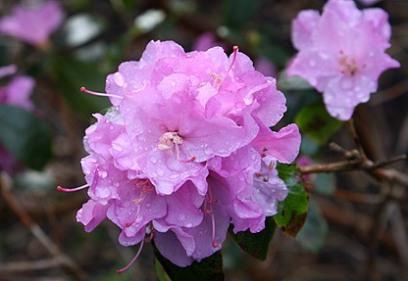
x: 17, y: 92
x: 7, y: 70
x: 264, y: 66
x: 369, y: 2
x: 342, y: 53
x: 34, y: 22
x: 182, y: 152
x: 302, y: 161
x: 206, y: 41
x: 7, y: 161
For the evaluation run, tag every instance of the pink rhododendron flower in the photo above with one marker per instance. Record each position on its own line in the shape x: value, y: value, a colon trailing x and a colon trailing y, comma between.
x: 7, y: 70
x: 34, y: 22
x: 186, y: 150
x: 17, y: 92
x: 264, y: 66
x: 342, y: 53
x: 206, y: 41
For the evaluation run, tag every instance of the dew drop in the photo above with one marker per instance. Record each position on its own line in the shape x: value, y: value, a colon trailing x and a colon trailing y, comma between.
x: 208, y: 151
x: 103, y: 174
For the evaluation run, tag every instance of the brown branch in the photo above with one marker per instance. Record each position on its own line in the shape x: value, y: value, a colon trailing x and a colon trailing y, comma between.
x: 66, y: 262
x: 340, y: 166
x: 396, y: 159
x: 31, y: 265
x: 373, y: 169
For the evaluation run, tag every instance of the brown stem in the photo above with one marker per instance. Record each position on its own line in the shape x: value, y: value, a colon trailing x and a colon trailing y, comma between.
x: 67, y: 263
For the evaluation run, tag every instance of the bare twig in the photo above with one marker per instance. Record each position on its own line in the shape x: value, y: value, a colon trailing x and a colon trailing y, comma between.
x: 376, y: 170
x: 388, y: 162
x: 340, y: 166
x: 348, y: 154
x: 31, y: 265
x: 67, y: 263
x: 356, y: 139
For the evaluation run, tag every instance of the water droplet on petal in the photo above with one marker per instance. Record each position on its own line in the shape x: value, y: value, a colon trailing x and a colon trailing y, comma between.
x: 103, y: 174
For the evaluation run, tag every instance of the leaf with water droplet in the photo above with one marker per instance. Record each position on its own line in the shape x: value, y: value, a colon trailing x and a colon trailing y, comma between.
x: 292, y: 211
x: 316, y: 123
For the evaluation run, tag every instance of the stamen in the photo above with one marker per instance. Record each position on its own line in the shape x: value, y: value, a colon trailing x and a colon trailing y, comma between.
x: 85, y: 90
x: 214, y: 242
x: 123, y: 269
x: 75, y: 189
x: 168, y: 139
x: 210, y: 210
x: 235, y: 50
x: 192, y: 159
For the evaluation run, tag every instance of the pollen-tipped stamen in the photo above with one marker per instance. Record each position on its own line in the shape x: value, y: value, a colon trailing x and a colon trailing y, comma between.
x: 74, y: 189
x: 235, y: 50
x: 210, y: 210
x: 85, y: 90
x: 125, y: 268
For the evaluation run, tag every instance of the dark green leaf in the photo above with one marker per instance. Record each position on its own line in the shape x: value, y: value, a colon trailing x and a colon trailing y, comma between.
x: 25, y: 136
x: 239, y: 12
x: 160, y: 273
x: 314, y: 232
x: 256, y: 244
x: 293, y: 210
x: 71, y: 74
x: 316, y: 123
x: 286, y: 82
x: 209, y: 269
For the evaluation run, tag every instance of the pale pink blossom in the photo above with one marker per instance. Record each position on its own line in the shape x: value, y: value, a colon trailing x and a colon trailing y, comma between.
x: 33, y: 22
x: 342, y: 53
x: 17, y: 92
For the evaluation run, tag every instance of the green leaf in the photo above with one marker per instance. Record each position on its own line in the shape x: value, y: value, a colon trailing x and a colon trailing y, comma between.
x: 293, y: 210
x: 256, y: 244
x: 71, y: 74
x: 240, y: 12
x: 316, y: 123
x: 314, y: 232
x: 209, y: 269
x: 286, y: 82
x: 25, y: 136
x: 160, y: 273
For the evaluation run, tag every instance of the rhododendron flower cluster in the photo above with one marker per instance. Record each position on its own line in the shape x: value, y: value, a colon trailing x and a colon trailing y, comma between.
x: 33, y: 22
x: 342, y: 53
x: 186, y: 150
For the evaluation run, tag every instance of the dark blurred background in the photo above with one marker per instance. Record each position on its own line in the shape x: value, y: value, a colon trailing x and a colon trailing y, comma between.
x: 354, y: 230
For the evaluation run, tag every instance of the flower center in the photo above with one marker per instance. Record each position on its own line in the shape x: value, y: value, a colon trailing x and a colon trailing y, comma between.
x: 348, y: 65
x: 168, y: 139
